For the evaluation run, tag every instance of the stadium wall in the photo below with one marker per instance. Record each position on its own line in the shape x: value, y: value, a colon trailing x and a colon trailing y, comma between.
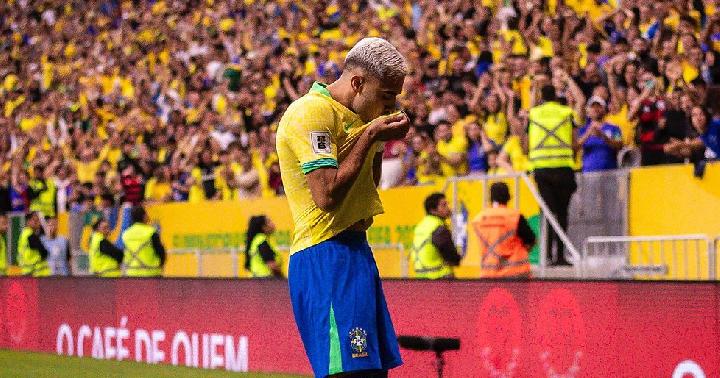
x: 670, y: 200
x: 543, y: 328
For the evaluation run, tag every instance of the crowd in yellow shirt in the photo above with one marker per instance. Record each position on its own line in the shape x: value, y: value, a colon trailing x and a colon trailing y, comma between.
x: 190, y: 93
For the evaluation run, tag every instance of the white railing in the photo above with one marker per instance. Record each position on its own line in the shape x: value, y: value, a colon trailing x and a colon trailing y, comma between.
x: 679, y: 257
x: 234, y: 253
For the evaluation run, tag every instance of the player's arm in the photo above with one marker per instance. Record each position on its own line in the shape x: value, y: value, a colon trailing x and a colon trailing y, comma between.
x: 329, y: 185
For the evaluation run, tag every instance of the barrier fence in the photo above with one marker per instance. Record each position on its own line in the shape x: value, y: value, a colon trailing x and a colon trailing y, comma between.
x: 393, y: 260
x: 506, y: 328
x: 678, y: 257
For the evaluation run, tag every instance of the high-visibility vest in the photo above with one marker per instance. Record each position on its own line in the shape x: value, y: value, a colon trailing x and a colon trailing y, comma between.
x: 140, y: 258
x: 29, y: 259
x: 502, y: 252
x: 3, y: 256
x: 45, y: 202
x: 550, y: 136
x: 258, y: 267
x: 101, y: 264
x: 427, y: 260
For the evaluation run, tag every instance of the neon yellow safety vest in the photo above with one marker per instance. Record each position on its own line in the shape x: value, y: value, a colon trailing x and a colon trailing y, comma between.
x: 3, y: 256
x: 258, y: 267
x: 31, y: 263
x: 45, y: 202
x: 428, y: 261
x: 140, y: 258
x: 101, y: 264
x: 550, y: 136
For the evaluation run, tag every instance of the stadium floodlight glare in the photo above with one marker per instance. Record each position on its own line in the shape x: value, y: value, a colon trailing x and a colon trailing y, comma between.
x: 439, y: 345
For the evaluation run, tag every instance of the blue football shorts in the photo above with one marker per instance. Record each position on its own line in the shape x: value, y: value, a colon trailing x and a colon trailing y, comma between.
x: 340, y: 308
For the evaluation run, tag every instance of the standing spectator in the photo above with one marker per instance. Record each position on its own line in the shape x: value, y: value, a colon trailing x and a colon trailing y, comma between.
x: 452, y: 150
x: 434, y: 253
x: 648, y: 109
x: 392, y: 170
x: 42, y: 191
x: 247, y: 182
x: 550, y: 136
x: 479, y: 145
x: 58, y: 248
x: 19, y: 192
x: 705, y: 143
x: 599, y: 140
x: 132, y: 185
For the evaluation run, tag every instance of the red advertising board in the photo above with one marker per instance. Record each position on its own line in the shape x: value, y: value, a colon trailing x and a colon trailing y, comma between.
x: 509, y: 329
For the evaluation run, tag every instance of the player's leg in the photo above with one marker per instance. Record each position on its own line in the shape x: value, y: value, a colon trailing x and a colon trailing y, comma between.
x: 362, y: 323
x: 308, y: 278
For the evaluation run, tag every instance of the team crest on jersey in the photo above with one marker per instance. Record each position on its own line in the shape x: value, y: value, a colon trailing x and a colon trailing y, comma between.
x: 320, y: 141
x: 358, y: 342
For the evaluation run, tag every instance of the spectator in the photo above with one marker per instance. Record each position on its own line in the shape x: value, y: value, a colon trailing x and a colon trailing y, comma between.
x: 479, y: 145
x: 706, y: 144
x: 599, y: 140
x: 180, y: 92
x: 58, y: 248
x: 247, y: 182
x: 451, y: 150
x: 132, y: 185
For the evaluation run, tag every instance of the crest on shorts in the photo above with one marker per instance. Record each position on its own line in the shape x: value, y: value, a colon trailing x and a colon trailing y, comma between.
x: 358, y: 342
x: 320, y: 141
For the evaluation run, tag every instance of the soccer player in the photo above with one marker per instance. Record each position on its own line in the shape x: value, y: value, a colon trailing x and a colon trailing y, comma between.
x: 329, y: 145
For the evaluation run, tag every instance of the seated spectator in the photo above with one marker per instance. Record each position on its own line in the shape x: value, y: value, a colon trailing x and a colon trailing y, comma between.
x: 599, y: 140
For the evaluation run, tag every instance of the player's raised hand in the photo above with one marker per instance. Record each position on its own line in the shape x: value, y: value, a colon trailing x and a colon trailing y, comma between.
x: 390, y: 127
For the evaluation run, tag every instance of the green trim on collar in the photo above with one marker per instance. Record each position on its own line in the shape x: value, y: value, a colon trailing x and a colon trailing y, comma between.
x: 320, y: 88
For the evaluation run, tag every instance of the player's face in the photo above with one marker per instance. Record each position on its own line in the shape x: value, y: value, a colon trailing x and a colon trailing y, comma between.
x: 375, y: 97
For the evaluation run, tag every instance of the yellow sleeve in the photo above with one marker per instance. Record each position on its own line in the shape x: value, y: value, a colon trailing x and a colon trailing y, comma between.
x: 310, y: 134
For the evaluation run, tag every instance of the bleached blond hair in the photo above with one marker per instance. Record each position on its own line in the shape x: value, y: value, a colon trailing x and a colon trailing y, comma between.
x: 377, y: 57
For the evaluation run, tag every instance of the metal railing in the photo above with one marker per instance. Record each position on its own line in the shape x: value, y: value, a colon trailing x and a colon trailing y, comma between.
x: 201, y: 254
x: 678, y: 257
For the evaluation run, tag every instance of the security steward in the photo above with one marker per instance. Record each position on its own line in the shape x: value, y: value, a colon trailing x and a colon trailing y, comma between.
x: 32, y: 255
x: 3, y: 244
x: 505, y: 237
x: 550, y: 151
x: 144, y: 253
x: 105, y: 258
x: 433, y: 251
x: 262, y: 258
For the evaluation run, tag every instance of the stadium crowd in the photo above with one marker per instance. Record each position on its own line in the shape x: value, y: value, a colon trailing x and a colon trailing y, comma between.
x: 110, y: 101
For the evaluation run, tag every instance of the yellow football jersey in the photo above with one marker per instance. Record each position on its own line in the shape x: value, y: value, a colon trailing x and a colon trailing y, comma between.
x: 316, y: 132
